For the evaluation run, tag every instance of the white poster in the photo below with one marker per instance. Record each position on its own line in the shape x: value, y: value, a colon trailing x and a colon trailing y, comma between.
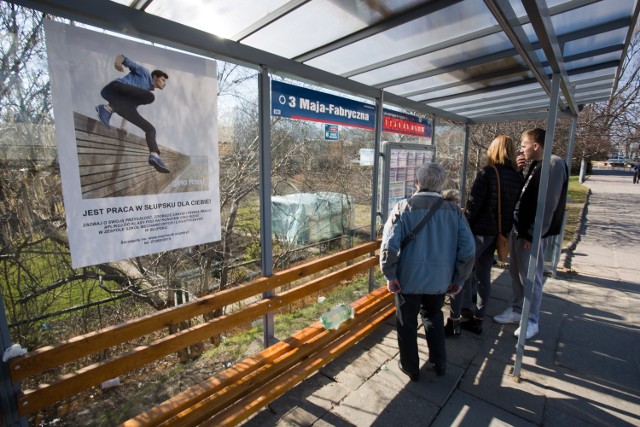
x: 136, y: 128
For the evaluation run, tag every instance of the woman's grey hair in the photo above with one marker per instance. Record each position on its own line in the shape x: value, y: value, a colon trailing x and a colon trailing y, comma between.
x: 430, y: 177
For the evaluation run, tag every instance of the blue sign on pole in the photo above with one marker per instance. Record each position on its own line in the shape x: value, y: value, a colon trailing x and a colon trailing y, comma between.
x: 331, y: 132
x: 300, y: 103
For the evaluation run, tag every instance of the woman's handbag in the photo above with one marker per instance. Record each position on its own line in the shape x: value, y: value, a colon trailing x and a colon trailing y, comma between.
x: 502, y: 241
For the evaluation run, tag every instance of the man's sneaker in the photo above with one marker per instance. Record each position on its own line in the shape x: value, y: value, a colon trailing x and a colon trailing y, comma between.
x: 532, y: 329
x: 156, y: 162
x: 104, y: 115
x: 508, y: 316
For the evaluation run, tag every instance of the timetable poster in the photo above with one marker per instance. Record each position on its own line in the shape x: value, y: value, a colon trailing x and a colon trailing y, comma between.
x: 403, y: 163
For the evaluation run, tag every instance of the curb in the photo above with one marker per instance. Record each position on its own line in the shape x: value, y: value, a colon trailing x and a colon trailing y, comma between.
x: 579, y: 232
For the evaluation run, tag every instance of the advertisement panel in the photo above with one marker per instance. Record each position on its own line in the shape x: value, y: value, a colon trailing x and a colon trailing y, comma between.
x: 136, y: 129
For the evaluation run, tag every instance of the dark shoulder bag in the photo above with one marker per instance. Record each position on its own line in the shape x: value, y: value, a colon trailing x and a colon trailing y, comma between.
x: 502, y: 241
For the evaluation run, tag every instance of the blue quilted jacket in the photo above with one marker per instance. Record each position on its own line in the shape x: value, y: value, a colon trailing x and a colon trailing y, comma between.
x: 442, y: 252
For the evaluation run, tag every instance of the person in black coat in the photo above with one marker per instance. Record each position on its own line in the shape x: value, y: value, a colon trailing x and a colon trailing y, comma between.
x: 481, y: 211
x: 524, y: 219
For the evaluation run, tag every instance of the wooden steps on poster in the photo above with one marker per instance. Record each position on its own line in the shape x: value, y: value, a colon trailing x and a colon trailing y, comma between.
x: 114, y: 163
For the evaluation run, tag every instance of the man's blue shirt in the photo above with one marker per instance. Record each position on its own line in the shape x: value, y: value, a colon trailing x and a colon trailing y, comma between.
x: 138, y: 75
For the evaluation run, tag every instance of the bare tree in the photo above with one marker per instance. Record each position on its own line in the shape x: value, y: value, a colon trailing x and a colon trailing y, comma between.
x: 612, y: 125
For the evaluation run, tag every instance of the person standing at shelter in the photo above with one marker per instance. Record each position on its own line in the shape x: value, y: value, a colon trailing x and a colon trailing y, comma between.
x: 126, y: 94
x: 423, y: 264
x: 532, y: 149
x: 482, y: 213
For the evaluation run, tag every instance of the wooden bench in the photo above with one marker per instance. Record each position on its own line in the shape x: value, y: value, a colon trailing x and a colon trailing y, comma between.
x: 240, y: 391
x: 237, y: 392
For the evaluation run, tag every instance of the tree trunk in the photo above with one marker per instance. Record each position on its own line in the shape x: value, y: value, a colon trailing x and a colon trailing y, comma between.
x: 583, y: 169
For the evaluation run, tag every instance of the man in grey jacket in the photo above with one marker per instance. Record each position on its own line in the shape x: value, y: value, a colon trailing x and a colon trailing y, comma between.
x: 423, y: 270
x: 532, y: 148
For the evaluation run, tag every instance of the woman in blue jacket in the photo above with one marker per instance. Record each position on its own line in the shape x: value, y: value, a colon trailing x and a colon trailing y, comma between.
x: 422, y: 271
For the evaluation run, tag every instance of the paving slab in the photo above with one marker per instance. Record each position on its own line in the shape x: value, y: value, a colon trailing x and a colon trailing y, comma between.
x: 331, y: 420
x: 302, y: 405
x: 599, y: 350
x: 465, y: 410
x: 572, y: 400
x: 379, y: 403
x: 490, y: 379
x: 357, y: 364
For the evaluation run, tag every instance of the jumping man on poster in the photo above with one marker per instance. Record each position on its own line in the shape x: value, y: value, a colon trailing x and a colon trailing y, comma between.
x: 126, y: 94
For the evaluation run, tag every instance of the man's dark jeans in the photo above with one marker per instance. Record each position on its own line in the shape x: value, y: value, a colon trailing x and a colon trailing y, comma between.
x: 125, y: 99
x: 430, y: 309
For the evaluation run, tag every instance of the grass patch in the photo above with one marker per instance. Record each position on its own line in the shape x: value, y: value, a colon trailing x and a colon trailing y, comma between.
x: 234, y: 347
x: 26, y: 277
x: 576, y: 198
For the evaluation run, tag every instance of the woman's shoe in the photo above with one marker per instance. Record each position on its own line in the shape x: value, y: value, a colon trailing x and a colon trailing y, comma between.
x: 440, y: 370
x: 474, y: 325
x: 466, y: 313
x: 452, y: 328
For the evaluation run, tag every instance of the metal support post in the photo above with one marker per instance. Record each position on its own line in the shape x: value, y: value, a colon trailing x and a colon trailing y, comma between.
x: 557, y: 247
x: 433, y: 130
x: 375, y: 184
x: 465, y: 161
x: 266, y: 245
x: 537, y: 228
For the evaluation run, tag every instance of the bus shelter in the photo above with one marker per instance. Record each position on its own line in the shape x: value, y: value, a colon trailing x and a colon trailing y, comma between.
x: 398, y: 67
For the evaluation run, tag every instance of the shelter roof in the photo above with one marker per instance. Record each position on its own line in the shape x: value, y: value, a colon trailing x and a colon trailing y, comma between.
x: 466, y: 60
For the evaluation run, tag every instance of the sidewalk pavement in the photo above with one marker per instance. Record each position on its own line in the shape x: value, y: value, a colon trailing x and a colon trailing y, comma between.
x: 583, y: 368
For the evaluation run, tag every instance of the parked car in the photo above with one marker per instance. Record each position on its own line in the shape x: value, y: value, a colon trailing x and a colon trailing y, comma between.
x: 617, y: 162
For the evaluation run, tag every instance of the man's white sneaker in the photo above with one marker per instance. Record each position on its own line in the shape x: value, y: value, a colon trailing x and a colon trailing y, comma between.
x: 532, y: 329
x: 508, y: 316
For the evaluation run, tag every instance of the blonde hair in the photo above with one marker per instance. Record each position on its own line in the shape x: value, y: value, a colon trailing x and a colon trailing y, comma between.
x: 501, y: 151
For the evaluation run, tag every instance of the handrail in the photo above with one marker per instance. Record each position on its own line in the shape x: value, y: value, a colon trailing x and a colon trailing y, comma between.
x: 45, y: 358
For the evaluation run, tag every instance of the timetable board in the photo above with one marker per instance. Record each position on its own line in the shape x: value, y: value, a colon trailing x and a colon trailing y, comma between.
x: 400, y: 163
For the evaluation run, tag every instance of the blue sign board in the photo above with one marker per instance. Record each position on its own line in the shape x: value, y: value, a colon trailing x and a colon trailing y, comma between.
x: 296, y: 102
x: 331, y: 132
x: 300, y: 103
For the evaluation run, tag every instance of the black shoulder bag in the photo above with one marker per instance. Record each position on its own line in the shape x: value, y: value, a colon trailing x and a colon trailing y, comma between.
x: 426, y: 219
